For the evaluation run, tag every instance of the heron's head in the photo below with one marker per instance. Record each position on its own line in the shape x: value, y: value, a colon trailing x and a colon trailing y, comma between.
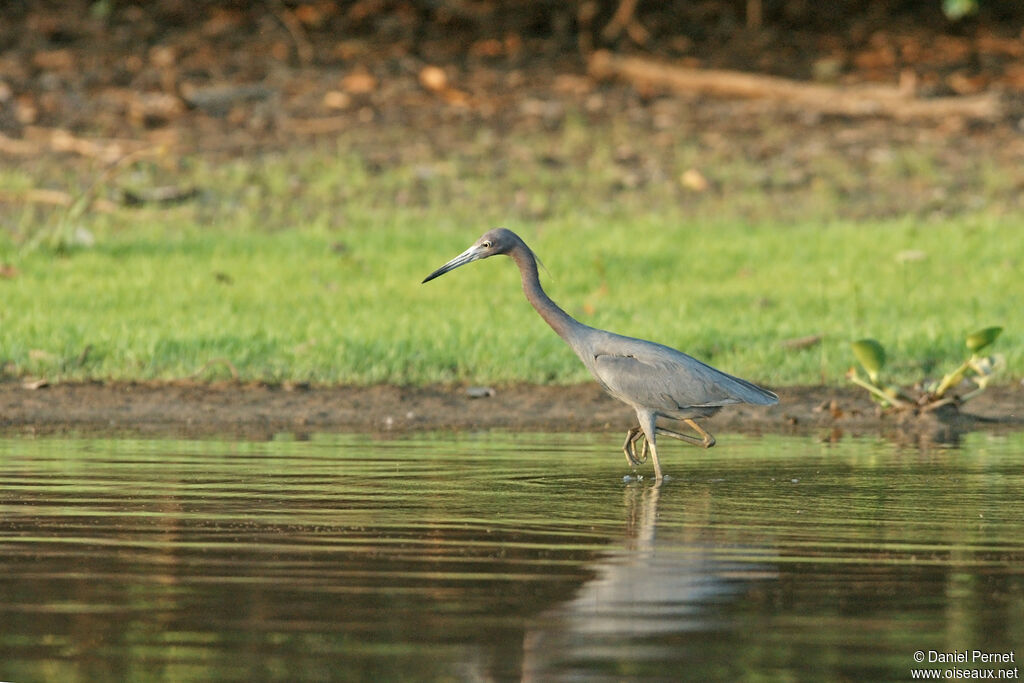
x: 492, y: 242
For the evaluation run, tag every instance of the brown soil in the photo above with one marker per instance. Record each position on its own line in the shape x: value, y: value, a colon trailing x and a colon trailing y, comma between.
x: 260, y: 411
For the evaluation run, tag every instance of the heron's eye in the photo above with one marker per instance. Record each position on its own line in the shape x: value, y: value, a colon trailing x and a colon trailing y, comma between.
x: 486, y: 244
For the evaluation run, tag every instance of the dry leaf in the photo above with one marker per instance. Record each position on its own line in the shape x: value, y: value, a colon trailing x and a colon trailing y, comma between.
x: 433, y: 78
x: 313, y: 15
x: 488, y: 47
x: 692, y: 179
x: 163, y: 56
x: 456, y: 97
x: 359, y: 83
x: 962, y: 84
x: 335, y: 99
x: 835, y: 410
x: 222, y: 21
x: 57, y: 60
x: 26, y: 110
x: 155, y: 107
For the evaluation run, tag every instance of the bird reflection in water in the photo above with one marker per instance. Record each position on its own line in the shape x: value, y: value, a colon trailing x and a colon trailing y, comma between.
x: 645, y: 592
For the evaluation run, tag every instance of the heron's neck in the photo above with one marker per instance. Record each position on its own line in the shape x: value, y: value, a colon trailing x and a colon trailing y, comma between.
x: 560, y: 321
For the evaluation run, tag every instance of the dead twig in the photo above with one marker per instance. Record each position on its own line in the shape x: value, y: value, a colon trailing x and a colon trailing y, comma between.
x: 755, y: 14
x: 61, y: 140
x: 303, y: 48
x: 87, y: 199
x: 624, y: 19
x: 218, y: 100
x: 37, y: 139
x: 317, y: 126
x: 50, y: 197
x: 37, y: 196
x: 18, y: 148
x: 799, y: 343
x: 166, y: 195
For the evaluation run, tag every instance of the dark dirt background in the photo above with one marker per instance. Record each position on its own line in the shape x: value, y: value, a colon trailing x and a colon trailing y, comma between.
x: 82, y: 84
x: 397, y: 83
x: 85, y: 83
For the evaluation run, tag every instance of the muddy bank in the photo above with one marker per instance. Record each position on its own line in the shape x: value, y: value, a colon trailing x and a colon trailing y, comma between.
x: 258, y: 411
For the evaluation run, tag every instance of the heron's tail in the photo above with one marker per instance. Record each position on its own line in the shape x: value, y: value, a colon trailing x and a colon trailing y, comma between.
x: 748, y: 392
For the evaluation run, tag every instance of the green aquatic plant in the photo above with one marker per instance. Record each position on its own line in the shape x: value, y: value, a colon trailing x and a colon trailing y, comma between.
x: 871, y: 355
x: 928, y: 394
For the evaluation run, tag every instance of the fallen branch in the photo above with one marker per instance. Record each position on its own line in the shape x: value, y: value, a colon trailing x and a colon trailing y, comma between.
x: 866, y: 100
x: 61, y: 140
x: 37, y: 196
x: 799, y: 343
x: 217, y: 100
x: 16, y: 147
x: 51, y: 198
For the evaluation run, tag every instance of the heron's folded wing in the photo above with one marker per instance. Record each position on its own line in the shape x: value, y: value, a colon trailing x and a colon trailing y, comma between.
x: 671, y: 383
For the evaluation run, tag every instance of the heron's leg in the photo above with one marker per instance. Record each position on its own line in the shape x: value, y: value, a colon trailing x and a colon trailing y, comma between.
x: 629, y: 448
x: 682, y: 437
x: 707, y: 441
x: 654, y: 458
x: 650, y: 428
x: 640, y: 438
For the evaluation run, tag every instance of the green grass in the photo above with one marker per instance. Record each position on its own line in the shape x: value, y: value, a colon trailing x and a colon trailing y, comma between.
x: 306, y: 266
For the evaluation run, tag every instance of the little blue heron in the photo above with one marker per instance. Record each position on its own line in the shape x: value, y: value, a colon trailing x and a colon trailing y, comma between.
x: 655, y: 380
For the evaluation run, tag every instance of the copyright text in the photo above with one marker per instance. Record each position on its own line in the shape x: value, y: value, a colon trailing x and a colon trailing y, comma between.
x: 965, y: 664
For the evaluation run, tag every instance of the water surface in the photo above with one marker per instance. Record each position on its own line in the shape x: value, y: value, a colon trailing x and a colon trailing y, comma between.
x: 500, y: 556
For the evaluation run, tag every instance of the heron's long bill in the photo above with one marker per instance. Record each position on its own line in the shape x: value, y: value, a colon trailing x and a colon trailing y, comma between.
x: 468, y: 256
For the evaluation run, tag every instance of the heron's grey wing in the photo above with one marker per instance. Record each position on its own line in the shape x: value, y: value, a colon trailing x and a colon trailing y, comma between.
x: 669, y: 380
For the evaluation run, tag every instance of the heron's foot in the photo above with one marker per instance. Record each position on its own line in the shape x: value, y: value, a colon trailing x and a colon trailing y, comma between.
x: 705, y: 439
x: 629, y: 447
x: 709, y: 440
